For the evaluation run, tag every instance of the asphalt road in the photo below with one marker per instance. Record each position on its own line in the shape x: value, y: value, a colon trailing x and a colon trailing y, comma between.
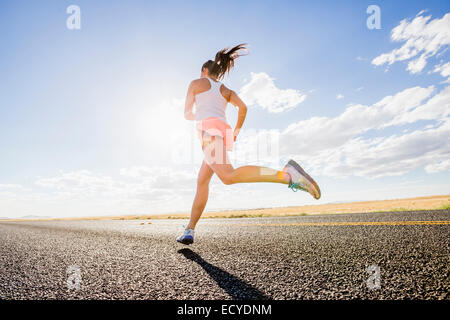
x: 310, y: 257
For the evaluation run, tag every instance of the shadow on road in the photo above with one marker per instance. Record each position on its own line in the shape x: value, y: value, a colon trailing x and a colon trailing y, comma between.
x: 235, y: 287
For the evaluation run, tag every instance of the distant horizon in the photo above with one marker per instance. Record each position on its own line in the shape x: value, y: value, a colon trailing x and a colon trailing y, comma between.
x: 38, y: 217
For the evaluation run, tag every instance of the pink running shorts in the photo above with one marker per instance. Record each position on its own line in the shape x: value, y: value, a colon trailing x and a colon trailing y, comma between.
x: 216, y: 127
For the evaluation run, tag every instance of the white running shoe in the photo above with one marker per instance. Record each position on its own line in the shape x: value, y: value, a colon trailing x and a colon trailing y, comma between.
x: 187, y: 237
x: 300, y: 180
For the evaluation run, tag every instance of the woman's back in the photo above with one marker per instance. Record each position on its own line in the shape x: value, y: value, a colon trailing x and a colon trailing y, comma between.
x: 210, y: 103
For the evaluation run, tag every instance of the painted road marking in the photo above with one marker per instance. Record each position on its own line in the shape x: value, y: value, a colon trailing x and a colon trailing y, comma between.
x: 349, y: 223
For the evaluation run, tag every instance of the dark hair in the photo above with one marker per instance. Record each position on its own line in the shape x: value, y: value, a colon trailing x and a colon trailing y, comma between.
x: 224, y: 61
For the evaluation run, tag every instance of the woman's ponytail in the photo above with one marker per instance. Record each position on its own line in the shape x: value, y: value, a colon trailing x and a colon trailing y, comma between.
x: 223, y: 61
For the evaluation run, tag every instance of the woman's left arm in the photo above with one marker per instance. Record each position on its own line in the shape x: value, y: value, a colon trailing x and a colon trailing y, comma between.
x: 189, y: 104
x: 236, y: 101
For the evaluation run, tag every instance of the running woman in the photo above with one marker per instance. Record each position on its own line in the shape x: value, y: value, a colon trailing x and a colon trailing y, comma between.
x: 211, y: 97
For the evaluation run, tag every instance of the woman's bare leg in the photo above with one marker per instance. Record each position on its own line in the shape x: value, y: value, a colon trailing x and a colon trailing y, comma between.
x: 248, y: 174
x: 201, y: 197
x: 217, y: 158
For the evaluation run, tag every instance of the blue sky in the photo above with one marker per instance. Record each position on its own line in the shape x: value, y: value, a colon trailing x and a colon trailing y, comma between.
x: 85, y: 114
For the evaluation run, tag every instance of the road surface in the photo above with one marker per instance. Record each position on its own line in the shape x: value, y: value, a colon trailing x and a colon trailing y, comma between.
x: 393, y: 255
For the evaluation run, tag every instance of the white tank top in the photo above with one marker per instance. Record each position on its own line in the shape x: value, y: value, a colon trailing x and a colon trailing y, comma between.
x: 210, y: 103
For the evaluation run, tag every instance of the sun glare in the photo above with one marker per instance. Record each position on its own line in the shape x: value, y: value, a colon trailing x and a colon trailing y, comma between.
x: 165, y: 120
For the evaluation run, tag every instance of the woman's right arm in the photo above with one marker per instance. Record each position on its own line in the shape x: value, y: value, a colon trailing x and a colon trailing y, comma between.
x: 189, y: 104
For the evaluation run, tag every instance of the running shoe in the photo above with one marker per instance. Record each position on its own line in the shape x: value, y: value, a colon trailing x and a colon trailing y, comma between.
x: 187, y: 237
x: 300, y: 180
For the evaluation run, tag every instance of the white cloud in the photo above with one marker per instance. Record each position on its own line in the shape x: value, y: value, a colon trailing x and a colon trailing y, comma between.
x: 11, y: 186
x: 137, y: 185
x: 339, y: 96
x: 417, y: 65
x: 387, y: 156
x: 261, y: 91
x: 161, y: 177
x: 319, y: 133
x: 422, y: 37
x: 80, y: 181
x: 421, y: 12
x: 336, y: 146
x: 444, y: 165
x: 134, y: 190
x: 443, y: 69
x: 436, y: 108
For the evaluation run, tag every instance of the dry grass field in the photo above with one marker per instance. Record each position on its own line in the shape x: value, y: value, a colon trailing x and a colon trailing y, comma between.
x: 420, y: 203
